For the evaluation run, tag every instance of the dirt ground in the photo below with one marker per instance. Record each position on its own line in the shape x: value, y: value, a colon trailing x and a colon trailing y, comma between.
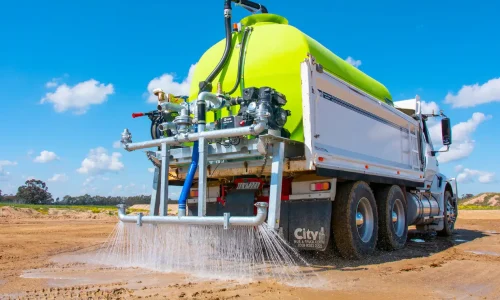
x: 33, y: 266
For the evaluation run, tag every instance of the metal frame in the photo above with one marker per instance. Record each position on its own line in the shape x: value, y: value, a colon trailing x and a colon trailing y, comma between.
x: 160, y: 181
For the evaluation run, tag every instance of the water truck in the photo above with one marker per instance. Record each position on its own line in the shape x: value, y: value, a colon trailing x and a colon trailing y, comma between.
x: 279, y: 130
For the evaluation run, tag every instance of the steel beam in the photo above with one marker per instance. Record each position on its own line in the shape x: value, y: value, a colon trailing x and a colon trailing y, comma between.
x: 278, y: 153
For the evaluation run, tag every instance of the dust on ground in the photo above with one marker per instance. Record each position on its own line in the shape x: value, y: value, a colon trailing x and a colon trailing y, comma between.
x: 36, y: 251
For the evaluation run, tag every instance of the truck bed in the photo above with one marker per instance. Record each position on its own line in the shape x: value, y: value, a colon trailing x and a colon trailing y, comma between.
x: 347, y: 133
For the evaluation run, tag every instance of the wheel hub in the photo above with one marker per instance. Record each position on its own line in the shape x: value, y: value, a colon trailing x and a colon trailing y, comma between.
x: 394, y: 217
x: 450, y: 214
x: 398, y: 217
x: 365, y: 220
x: 359, y: 219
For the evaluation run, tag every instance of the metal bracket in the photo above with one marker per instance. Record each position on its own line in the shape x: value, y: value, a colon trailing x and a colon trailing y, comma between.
x: 226, y: 220
x: 139, y: 219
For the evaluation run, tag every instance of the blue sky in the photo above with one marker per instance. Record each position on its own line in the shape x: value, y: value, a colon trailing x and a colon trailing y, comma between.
x: 72, y: 72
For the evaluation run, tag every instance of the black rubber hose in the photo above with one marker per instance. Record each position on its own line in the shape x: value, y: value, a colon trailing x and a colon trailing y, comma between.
x: 227, y: 50
x: 240, y: 60
x: 252, y: 4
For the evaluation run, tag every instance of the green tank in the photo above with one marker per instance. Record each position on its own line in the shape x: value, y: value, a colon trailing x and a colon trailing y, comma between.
x: 274, y: 51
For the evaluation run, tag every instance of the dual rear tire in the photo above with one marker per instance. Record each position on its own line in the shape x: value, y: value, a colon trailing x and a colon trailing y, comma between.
x: 363, y: 220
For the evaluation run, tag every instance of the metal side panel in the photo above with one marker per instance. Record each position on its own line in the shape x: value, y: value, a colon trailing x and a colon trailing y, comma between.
x: 354, y: 132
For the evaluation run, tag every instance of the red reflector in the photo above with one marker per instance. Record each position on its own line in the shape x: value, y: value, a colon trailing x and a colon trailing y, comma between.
x: 193, y: 193
x: 321, y: 158
x: 242, y: 123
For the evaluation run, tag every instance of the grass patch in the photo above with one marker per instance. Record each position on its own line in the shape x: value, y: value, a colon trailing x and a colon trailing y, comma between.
x: 44, y: 209
x: 478, y: 207
x: 137, y: 210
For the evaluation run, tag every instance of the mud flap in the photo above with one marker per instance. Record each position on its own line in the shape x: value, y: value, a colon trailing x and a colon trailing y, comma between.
x: 307, y: 224
x: 193, y: 209
x: 238, y: 203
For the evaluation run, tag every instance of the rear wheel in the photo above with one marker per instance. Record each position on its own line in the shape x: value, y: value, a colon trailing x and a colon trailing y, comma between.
x: 393, y: 224
x: 355, y: 220
x: 450, y: 216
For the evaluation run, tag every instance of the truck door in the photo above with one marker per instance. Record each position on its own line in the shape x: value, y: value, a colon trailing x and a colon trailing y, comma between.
x: 431, y: 163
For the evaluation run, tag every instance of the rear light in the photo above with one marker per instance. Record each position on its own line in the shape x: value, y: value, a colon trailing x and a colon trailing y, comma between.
x: 193, y: 193
x: 320, y: 186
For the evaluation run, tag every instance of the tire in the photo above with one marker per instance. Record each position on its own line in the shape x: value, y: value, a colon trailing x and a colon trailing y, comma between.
x: 392, y: 219
x: 351, y: 240
x: 450, y: 216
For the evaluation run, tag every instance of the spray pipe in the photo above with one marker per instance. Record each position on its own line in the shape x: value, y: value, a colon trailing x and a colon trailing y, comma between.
x: 192, y: 220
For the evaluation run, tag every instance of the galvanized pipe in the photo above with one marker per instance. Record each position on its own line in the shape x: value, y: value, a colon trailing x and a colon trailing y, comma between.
x: 254, y: 129
x: 192, y: 220
x: 202, y: 175
x: 170, y: 106
x: 215, y: 101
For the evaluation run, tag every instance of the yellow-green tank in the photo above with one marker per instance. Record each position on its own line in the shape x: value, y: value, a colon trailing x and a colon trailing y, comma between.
x: 274, y: 51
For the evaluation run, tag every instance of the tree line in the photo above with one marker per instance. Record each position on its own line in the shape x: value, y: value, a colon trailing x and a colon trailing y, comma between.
x: 35, y: 191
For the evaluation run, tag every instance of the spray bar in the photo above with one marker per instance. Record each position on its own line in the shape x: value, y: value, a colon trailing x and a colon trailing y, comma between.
x: 254, y: 129
x: 193, y: 220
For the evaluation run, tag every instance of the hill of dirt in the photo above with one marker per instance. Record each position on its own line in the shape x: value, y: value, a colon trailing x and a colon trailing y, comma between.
x: 484, y: 199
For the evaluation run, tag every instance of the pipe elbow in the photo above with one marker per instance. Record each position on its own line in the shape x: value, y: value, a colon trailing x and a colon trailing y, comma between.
x: 261, y: 213
x: 258, y: 128
x: 216, y: 102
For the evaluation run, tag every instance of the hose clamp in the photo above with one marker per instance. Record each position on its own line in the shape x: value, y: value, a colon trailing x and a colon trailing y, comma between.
x: 227, y: 13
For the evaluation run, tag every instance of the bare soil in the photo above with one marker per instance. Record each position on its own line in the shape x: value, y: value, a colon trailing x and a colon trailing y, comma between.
x: 34, y: 264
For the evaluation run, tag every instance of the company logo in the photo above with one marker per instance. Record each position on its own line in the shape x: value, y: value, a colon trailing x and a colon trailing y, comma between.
x: 248, y: 185
x: 303, y: 234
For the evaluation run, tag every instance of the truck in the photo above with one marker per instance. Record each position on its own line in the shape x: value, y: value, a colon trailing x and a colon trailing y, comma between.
x: 279, y: 131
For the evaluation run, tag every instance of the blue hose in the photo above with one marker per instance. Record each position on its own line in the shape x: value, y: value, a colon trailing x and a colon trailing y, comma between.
x: 190, y: 175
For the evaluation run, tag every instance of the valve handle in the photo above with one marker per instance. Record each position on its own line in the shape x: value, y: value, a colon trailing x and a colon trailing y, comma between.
x: 136, y: 115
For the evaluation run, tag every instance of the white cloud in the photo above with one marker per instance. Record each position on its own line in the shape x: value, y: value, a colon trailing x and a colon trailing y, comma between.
x: 118, y: 188
x: 459, y: 168
x: 45, y: 157
x: 58, y: 178
x: 463, y: 143
x: 117, y: 145
x: 429, y: 107
x: 52, y: 83
x: 5, y: 175
x: 78, y: 97
x: 353, y: 61
x: 469, y: 176
x: 88, y: 180
x: 168, y: 84
x: 472, y: 95
x: 151, y: 170
x: 99, y: 162
x: 4, y: 163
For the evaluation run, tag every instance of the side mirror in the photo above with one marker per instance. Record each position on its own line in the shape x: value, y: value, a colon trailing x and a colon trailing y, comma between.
x: 446, y: 131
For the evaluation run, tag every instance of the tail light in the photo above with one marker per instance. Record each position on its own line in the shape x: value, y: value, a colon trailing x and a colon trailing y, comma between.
x: 320, y: 186
x: 193, y: 193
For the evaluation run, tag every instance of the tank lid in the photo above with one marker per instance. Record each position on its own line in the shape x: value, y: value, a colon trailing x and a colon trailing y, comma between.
x: 263, y: 18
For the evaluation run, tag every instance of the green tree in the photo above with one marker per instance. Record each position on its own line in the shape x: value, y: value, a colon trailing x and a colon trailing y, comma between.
x: 34, y: 192
x: 1, y: 196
